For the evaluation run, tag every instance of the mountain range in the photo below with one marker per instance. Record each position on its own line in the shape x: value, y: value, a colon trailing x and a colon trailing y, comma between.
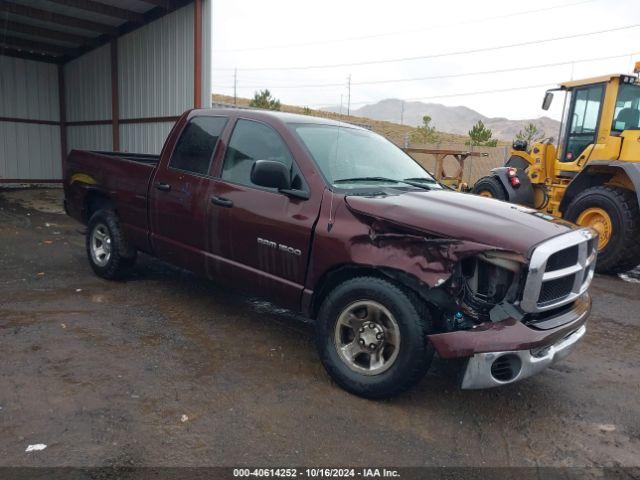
x: 457, y: 120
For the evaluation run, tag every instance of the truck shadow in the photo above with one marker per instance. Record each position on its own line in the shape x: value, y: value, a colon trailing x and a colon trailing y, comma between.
x: 441, y: 384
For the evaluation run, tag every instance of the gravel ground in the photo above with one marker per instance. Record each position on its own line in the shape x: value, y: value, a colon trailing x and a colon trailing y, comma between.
x: 170, y: 369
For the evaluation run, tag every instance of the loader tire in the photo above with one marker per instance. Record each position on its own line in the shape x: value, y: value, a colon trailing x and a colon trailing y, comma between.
x: 490, y: 187
x: 614, y: 213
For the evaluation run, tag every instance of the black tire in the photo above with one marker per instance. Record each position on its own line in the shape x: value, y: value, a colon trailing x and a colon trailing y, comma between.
x: 414, y: 353
x: 492, y: 185
x: 622, y: 253
x: 122, y: 255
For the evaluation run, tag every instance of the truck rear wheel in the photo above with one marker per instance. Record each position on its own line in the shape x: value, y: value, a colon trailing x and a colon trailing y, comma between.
x: 613, y: 213
x: 109, y: 253
x: 372, y: 337
x: 490, y: 187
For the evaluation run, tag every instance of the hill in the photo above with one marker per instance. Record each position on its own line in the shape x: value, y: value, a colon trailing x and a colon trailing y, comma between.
x: 391, y: 130
x: 455, y: 120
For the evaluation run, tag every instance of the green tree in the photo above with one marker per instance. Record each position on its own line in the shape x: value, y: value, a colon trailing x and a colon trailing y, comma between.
x: 424, y: 133
x: 530, y: 133
x: 263, y: 99
x: 479, y: 135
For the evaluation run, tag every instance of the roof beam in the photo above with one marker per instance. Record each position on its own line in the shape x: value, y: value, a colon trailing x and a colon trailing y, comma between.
x: 103, y: 9
x: 46, y: 16
x: 166, y: 4
x: 31, y: 46
x: 11, y: 52
x: 43, y: 32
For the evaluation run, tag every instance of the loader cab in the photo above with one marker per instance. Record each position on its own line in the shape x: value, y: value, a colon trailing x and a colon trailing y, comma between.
x: 591, y: 176
x: 595, y: 113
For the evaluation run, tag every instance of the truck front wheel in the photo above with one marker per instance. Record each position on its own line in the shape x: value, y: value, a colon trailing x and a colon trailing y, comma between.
x: 372, y: 337
x: 109, y: 253
x: 613, y: 213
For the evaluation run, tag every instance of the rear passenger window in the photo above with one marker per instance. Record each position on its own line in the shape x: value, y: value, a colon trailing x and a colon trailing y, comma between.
x: 195, y: 146
x: 249, y: 142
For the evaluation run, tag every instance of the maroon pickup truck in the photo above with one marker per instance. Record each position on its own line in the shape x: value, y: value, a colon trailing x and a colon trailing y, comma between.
x: 336, y: 222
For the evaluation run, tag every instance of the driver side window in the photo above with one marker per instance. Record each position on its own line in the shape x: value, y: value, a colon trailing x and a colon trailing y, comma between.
x: 584, y: 121
x: 249, y: 142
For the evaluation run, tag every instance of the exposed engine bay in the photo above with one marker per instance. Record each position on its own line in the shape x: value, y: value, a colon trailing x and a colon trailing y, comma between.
x: 481, y: 283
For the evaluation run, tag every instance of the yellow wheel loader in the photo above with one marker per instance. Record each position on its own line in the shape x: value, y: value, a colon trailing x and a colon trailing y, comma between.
x: 591, y: 174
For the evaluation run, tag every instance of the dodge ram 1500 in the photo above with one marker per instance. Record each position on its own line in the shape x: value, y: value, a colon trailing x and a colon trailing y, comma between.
x: 338, y: 223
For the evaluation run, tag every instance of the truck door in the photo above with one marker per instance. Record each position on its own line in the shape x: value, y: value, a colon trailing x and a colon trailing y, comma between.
x: 179, y: 195
x: 267, y: 234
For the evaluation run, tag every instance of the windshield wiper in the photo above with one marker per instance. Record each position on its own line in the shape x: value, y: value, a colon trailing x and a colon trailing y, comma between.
x: 408, y: 181
x: 366, y: 179
x: 420, y: 179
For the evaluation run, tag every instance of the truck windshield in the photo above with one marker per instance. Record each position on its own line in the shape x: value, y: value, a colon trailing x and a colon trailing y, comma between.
x: 627, y: 112
x: 352, y: 158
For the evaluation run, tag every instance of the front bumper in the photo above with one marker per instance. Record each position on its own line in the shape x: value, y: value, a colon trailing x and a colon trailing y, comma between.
x: 493, y: 369
x: 524, y: 349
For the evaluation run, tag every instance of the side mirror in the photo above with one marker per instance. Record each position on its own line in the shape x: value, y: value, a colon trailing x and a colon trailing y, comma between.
x: 271, y: 174
x: 548, y: 98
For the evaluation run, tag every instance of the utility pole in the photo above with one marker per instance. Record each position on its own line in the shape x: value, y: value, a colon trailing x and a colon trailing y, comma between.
x: 235, y: 86
x: 341, y: 95
x: 349, y: 95
x: 402, y: 113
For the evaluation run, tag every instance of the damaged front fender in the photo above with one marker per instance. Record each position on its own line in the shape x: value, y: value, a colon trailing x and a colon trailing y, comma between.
x: 413, y: 256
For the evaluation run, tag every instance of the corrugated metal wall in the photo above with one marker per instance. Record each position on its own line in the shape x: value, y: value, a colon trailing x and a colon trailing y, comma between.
x: 29, y: 91
x: 144, y: 137
x: 155, y: 85
x: 155, y: 78
x: 155, y: 74
x: 88, y: 86
x: 89, y: 137
x: 88, y: 98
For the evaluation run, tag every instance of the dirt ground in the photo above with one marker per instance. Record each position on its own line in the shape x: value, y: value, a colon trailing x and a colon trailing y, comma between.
x: 170, y: 369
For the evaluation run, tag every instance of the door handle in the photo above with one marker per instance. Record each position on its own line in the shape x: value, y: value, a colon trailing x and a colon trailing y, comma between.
x: 165, y: 187
x: 223, y: 202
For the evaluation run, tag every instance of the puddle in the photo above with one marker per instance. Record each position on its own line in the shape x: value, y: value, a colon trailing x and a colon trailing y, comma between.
x: 632, y: 276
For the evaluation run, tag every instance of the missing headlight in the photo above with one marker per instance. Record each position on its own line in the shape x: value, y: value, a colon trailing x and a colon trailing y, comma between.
x: 488, y: 279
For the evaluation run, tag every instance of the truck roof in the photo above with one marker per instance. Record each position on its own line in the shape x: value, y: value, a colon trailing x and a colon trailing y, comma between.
x: 284, y: 117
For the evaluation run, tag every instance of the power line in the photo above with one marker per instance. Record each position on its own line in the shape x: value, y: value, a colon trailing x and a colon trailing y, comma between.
x: 453, y: 95
x: 445, y: 76
x: 402, y: 32
x: 439, y: 55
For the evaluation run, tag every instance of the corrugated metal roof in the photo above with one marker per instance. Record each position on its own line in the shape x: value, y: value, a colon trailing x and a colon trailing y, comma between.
x: 28, y: 27
x: 6, y: 16
x: 35, y: 38
x: 71, y: 11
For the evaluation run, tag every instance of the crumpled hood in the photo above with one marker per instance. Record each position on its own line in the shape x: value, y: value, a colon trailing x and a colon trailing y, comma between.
x: 461, y: 216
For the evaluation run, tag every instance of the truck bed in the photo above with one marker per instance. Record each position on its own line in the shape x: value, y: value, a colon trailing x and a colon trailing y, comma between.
x: 122, y: 177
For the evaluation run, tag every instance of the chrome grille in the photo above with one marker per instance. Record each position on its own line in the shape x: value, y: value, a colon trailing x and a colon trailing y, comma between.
x: 560, y: 270
x: 563, y: 259
x: 556, y: 289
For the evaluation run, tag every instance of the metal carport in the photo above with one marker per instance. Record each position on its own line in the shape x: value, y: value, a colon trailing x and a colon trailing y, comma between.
x: 99, y: 75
